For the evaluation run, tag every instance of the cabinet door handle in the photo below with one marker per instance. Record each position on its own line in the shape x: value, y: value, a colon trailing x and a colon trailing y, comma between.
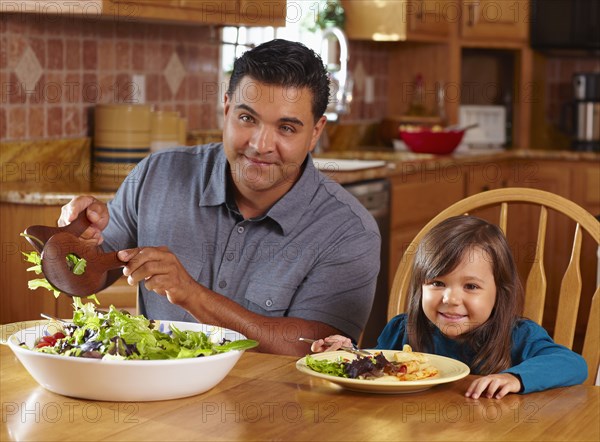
x: 419, y: 14
x: 472, y: 14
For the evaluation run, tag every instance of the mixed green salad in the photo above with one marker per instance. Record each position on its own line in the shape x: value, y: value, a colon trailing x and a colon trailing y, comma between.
x: 365, y: 367
x: 119, y: 335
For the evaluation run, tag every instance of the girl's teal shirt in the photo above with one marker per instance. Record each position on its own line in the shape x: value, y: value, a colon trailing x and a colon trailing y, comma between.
x: 537, y: 360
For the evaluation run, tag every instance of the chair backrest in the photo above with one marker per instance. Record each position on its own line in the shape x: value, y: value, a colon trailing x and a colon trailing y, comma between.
x: 535, y: 288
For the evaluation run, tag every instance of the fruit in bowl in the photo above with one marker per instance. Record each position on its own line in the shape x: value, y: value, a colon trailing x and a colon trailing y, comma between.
x: 434, y: 140
x: 113, y: 356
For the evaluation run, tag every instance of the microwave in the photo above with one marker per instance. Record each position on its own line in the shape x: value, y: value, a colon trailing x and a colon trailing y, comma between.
x: 565, y: 24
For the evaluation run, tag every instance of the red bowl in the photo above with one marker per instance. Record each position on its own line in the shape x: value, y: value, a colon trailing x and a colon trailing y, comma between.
x: 426, y: 141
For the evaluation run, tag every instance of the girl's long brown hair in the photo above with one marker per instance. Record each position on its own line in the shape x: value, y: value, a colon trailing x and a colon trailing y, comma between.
x: 440, y: 251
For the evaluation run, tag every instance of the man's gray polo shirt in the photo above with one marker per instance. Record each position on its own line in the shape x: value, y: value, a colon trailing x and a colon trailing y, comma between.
x: 314, y: 255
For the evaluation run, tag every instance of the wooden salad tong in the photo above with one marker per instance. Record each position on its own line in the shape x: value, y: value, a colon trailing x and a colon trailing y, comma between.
x: 56, y: 243
x: 38, y: 236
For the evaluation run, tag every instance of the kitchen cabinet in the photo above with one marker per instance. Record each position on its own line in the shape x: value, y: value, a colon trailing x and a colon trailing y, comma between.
x: 489, y: 21
x: 585, y: 189
x: 397, y: 20
x: 210, y: 12
x: 485, y: 22
x: 224, y: 12
x: 416, y: 197
x: 18, y: 302
x: 434, y: 36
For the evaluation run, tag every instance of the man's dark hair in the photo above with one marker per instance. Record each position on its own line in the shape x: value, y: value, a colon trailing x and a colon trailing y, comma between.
x: 288, y: 64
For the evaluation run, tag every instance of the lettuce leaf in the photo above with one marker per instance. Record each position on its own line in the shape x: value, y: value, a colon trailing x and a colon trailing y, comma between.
x: 333, y: 368
x: 77, y: 266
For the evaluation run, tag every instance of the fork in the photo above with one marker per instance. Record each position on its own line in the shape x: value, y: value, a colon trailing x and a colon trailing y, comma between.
x: 354, y: 349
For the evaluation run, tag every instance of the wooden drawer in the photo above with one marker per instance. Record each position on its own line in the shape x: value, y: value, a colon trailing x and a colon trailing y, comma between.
x: 419, y: 197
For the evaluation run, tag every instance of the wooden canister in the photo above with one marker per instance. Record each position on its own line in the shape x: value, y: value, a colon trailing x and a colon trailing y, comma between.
x: 121, y: 139
x: 165, y: 130
x: 182, y: 131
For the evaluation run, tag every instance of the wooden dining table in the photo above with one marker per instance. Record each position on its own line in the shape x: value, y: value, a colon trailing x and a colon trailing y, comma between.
x: 265, y: 397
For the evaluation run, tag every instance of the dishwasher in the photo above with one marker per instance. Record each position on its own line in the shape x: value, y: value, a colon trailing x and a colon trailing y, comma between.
x: 375, y: 196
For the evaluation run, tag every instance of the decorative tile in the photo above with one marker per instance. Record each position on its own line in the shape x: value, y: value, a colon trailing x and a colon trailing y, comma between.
x: 55, y: 54
x: 174, y: 73
x: 28, y: 70
x: 359, y: 77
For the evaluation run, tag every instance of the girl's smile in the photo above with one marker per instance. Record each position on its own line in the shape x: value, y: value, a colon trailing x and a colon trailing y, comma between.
x: 451, y: 316
x: 464, y: 298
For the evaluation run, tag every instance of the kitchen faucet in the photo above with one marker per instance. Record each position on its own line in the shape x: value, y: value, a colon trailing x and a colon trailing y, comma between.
x: 341, y: 85
x: 341, y: 79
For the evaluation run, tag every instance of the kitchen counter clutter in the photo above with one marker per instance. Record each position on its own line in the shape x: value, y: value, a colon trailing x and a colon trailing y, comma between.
x: 52, y: 172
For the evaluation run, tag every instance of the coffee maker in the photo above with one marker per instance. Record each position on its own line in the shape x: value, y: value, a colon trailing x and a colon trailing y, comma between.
x: 586, y: 112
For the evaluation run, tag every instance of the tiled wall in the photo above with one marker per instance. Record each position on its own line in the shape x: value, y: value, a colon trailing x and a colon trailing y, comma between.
x: 368, y: 59
x: 53, y: 70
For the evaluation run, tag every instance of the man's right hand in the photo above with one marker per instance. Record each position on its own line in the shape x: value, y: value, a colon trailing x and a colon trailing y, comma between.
x: 97, y: 214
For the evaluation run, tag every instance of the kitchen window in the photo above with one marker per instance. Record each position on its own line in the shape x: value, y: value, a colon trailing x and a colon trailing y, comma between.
x: 301, y: 25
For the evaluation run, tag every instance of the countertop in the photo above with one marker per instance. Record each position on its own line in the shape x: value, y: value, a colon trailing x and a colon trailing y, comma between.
x: 55, y: 180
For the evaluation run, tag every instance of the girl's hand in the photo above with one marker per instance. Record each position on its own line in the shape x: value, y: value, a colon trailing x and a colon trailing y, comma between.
x: 495, y: 385
x: 330, y: 343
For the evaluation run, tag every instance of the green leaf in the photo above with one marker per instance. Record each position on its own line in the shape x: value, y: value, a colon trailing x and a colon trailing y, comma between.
x: 242, y: 344
x: 78, y: 268
x: 93, y: 298
x: 333, y: 368
x: 34, y: 284
x: 78, y: 264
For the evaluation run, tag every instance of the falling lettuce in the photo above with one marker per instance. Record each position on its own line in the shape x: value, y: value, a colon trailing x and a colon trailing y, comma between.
x: 77, y: 266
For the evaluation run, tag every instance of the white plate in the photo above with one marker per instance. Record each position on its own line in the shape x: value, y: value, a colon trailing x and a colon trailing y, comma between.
x: 450, y: 370
x: 339, y: 165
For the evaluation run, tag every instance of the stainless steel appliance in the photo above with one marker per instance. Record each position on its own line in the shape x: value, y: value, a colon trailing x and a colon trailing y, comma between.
x: 586, y: 112
x: 375, y: 196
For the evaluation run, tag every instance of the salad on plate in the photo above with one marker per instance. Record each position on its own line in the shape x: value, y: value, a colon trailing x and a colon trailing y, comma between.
x: 404, y: 365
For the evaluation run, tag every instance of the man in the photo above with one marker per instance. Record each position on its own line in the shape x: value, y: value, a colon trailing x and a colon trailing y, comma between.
x: 247, y: 234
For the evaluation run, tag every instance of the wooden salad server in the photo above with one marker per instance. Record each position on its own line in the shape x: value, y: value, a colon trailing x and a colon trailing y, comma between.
x: 58, y: 272
x: 44, y: 233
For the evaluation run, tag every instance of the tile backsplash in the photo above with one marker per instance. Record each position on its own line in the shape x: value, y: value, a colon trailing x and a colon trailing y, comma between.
x: 54, y: 70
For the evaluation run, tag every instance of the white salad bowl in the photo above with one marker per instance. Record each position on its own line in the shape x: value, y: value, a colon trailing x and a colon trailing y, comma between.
x: 126, y: 380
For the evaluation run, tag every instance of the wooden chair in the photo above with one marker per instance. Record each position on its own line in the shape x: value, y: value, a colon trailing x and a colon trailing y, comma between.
x: 535, y: 287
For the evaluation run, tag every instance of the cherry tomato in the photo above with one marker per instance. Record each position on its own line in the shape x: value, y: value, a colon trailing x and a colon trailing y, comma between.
x: 49, y: 341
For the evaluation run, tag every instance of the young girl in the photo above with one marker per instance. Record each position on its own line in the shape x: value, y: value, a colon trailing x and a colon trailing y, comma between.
x: 465, y: 303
